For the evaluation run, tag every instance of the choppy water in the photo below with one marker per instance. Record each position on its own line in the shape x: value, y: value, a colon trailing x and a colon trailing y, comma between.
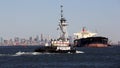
x: 25, y: 57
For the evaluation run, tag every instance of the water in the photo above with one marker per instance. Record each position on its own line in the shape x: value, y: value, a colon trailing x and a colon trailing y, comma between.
x: 25, y: 57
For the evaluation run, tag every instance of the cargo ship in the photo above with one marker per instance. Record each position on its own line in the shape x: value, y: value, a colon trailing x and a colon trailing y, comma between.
x: 60, y: 45
x: 88, y: 39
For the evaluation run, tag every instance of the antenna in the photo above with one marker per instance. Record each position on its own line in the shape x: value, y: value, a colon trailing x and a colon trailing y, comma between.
x: 63, y: 26
x: 61, y: 11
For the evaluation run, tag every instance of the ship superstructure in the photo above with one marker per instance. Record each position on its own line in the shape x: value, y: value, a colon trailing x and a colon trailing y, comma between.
x: 63, y: 27
x: 84, y: 34
x: 63, y: 39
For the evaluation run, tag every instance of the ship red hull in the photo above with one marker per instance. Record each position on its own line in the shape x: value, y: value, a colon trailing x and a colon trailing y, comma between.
x: 91, y: 42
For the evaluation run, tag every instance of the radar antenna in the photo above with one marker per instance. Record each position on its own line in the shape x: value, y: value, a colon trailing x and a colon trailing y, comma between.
x: 62, y: 26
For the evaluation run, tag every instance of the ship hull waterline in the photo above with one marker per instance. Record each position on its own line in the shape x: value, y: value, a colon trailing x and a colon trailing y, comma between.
x: 92, y: 42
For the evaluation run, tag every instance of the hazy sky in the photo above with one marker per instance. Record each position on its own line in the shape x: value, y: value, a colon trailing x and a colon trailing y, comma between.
x: 24, y: 18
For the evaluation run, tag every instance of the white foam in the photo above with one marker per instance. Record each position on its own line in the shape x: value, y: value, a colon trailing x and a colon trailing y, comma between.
x: 35, y: 53
x: 18, y: 53
x: 80, y: 52
x: 26, y: 53
x: 31, y: 53
x: 2, y: 54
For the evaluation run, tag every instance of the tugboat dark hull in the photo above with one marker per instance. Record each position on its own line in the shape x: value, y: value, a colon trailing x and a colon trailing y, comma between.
x: 50, y: 49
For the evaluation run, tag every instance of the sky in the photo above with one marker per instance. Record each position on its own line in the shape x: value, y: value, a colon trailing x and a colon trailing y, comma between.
x: 25, y: 18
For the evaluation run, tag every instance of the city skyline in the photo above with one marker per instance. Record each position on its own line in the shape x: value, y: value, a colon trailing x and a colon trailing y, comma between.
x: 27, y: 18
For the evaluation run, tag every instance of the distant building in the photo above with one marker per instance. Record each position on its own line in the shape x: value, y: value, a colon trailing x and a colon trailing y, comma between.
x: 1, y: 41
x: 41, y: 37
x: 118, y: 42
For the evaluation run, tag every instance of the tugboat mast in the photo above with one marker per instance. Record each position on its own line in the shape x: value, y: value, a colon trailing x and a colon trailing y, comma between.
x: 62, y: 26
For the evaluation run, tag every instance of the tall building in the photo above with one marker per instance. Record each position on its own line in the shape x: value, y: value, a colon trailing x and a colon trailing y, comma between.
x: 1, y: 41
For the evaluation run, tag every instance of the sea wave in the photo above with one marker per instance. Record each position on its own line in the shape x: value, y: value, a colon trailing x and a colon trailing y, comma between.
x: 79, y: 51
x: 20, y: 53
x: 26, y: 53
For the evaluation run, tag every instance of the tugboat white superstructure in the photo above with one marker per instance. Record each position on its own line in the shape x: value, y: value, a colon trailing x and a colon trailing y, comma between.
x: 62, y: 44
x: 63, y: 39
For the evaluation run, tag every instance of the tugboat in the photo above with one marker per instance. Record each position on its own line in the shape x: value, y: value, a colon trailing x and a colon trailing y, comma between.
x: 88, y: 39
x: 62, y: 44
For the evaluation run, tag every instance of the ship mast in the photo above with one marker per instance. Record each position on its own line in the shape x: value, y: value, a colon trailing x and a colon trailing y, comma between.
x: 62, y: 26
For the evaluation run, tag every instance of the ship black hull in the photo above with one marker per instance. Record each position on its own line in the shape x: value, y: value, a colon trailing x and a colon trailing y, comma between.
x: 91, y: 42
x: 50, y: 49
